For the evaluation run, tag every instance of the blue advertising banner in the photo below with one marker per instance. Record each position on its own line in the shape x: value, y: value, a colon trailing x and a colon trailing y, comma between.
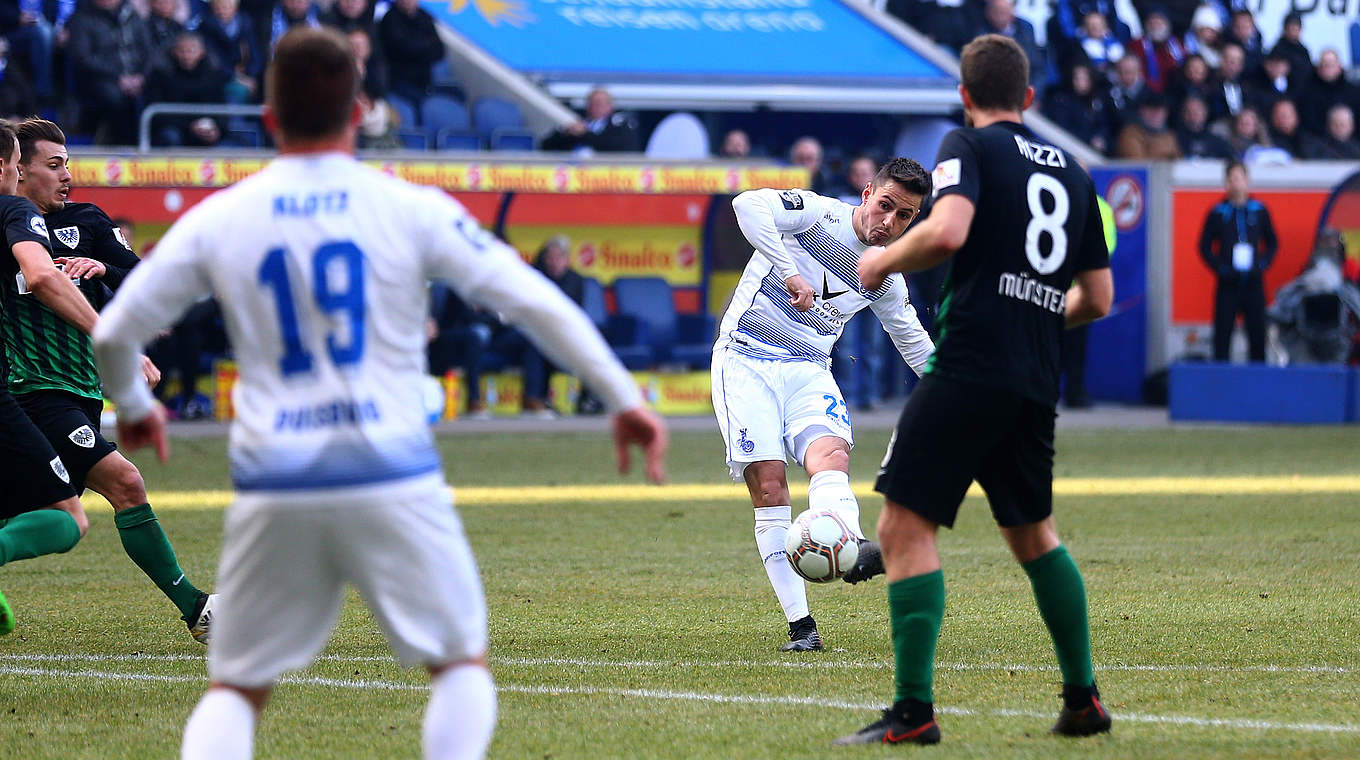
x: 788, y: 41
x: 1116, y: 358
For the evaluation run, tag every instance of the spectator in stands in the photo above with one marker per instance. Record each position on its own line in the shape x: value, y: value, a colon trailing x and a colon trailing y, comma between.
x: 181, y: 353
x: 1099, y: 43
x: 190, y: 77
x: 1150, y: 136
x: 1206, y: 35
x: 602, y: 130
x: 458, y: 336
x: 1247, y: 133
x: 1273, y: 81
x: 1290, y: 45
x: 230, y: 37
x: 288, y: 14
x: 1128, y: 86
x: 949, y: 23
x: 377, y: 131
x: 1328, y: 88
x: 1194, y: 137
x: 998, y: 17
x: 1238, y: 244
x: 807, y: 153
x: 858, y: 173
x: 163, y: 24
x: 110, y: 53
x: 1078, y: 107
x: 1284, y: 127
x: 1193, y: 80
x: 1230, y: 97
x: 1068, y: 16
x: 1160, y: 52
x: 735, y: 144
x: 347, y: 15
x: 554, y: 261
x: 17, y: 99
x: 409, y: 43
x: 31, y: 38
x: 1242, y: 30
x: 1338, y: 142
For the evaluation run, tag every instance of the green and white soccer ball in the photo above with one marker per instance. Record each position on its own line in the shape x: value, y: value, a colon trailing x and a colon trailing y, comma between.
x: 820, y: 546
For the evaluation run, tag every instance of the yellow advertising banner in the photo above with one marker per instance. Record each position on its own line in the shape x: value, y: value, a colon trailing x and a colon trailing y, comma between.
x: 607, y: 253
x: 149, y: 171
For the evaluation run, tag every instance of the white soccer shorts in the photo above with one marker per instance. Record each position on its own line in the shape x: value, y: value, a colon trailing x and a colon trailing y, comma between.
x: 286, y: 559
x: 766, y: 408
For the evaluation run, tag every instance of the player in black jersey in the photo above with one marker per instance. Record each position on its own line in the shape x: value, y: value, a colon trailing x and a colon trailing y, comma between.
x: 52, y: 372
x: 39, y: 511
x: 1020, y: 220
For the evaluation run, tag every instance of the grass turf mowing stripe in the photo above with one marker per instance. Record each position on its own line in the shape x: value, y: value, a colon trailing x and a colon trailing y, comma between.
x: 1128, y: 486
x: 692, y: 696
x: 724, y: 664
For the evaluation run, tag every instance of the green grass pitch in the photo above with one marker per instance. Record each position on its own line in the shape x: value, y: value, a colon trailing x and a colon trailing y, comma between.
x: 1224, y: 625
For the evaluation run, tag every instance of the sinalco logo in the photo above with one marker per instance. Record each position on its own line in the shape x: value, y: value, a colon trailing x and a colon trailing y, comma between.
x: 512, y: 12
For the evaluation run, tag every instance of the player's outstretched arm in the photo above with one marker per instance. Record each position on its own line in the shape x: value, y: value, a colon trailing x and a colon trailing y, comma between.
x: 924, y: 246
x: 763, y: 216
x: 52, y: 287
x: 642, y: 426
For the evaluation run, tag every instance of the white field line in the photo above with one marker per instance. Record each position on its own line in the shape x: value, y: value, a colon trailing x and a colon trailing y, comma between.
x: 693, y: 696
x: 785, y: 664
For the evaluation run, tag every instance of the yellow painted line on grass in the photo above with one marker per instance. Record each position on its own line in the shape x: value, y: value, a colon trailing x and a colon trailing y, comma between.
x: 1129, y: 486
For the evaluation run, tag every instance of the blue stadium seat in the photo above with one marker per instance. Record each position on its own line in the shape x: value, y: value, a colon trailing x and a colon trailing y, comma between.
x: 440, y: 112
x: 686, y: 339
x: 626, y: 335
x: 491, y: 114
x: 405, y: 110
x: 457, y: 139
x: 507, y: 138
x: 413, y: 139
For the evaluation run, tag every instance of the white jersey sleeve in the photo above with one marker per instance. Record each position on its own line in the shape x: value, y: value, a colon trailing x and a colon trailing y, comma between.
x: 155, y: 295
x: 487, y: 272
x: 899, y: 320
x: 765, y: 215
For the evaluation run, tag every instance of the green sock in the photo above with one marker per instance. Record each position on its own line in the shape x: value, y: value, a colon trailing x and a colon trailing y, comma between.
x: 1061, y: 596
x: 147, y: 546
x: 916, y: 609
x: 33, y: 534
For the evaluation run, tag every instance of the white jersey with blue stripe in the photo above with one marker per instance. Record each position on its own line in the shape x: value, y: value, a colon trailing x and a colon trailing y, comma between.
x: 321, y: 266
x: 800, y: 232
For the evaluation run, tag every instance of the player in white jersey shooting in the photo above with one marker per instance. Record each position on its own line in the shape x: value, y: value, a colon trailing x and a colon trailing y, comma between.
x: 321, y: 266
x: 773, y: 391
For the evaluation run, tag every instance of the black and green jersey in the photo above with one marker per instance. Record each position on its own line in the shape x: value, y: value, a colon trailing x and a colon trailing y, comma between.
x: 44, y: 352
x: 1035, y: 225
x: 20, y: 221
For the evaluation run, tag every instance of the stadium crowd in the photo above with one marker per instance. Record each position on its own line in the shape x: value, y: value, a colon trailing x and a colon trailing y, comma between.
x: 1199, y: 81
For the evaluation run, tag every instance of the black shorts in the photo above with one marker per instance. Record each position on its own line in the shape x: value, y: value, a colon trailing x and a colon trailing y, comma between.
x: 71, y: 424
x: 32, y: 476
x: 954, y: 432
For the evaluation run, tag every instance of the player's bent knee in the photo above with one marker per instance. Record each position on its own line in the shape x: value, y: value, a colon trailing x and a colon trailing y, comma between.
x: 767, y: 483
x: 256, y: 696
x: 73, y: 508
x: 837, y: 458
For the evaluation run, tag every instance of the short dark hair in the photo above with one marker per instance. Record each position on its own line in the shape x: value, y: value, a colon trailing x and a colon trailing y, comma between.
x: 8, y: 138
x: 907, y: 173
x: 30, y: 131
x: 312, y: 83
x: 995, y: 72
x: 1234, y: 163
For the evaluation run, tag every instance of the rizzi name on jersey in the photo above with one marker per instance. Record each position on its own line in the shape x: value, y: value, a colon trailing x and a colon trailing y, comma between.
x: 1043, y: 155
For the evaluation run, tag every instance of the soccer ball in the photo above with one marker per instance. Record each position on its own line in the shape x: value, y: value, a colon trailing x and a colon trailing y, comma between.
x: 820, y: 546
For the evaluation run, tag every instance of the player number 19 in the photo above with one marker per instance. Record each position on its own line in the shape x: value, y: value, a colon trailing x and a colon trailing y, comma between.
x: 1050, y: 222
x: 341, y: 296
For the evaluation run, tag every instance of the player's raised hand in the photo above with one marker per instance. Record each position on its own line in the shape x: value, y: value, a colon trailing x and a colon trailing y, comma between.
x: 643, y: 427
x: 148, y: 431
x: 872, y: 267
x: 802, y: 294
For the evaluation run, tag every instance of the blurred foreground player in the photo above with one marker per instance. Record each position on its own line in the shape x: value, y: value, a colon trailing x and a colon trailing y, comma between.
x: 338, y: 480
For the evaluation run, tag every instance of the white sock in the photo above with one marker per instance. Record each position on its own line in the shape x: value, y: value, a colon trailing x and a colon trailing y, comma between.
x: 221, y: 727
x: 772, y: 526
x: 461, y: 714
x: 829, y: 490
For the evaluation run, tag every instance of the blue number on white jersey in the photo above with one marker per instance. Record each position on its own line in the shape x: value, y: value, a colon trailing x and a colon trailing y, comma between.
x: 331, y: 297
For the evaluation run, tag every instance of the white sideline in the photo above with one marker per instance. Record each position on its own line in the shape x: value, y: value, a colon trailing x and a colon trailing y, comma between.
x: 789, y: 664
x: 691, y: 696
